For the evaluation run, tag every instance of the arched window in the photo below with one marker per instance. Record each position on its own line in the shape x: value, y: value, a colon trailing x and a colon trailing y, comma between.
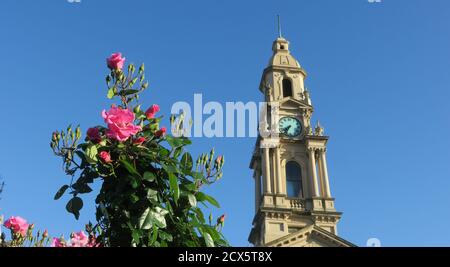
x: 287, y: 88
x: 293, y: 180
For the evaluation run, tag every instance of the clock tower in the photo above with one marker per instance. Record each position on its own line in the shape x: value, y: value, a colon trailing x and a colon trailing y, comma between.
x: 293, y: 201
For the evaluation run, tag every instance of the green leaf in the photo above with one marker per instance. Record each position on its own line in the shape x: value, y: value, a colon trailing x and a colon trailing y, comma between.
x: 159, y: 217
x: 174, y: 142
x: 136, y: 236
x: 170, y: 168
x: 145, y: 221
x: 134, y: 182
x: 91, y: 154
x: 163, y: 152
x: 185, y: 140
x: 155, y: 235
x: 173, y: 181
x: 204, y: 197
x: 200, y: 215
x: 152, y: 195
x: 61, y: 192
x: 192, y: 200
x: 130, y: 168
x: 81, y: 187
x: 150, y: 218
x: 177, y: 152
x: 110, y: 93
x: 128, y: 92
x: 74, y: 206
x: 134, y: 198
x: 186, y: 161
x: 149, y: 176
x: 213, y: 232
x: 197, y: 175
x: 208, y: 240
x: 165, y: 236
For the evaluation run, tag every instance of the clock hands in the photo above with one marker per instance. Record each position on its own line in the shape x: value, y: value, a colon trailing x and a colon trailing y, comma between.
x: 286, y: 129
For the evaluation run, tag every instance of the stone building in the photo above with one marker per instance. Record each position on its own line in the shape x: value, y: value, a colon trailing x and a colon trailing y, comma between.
x: 293, y: 201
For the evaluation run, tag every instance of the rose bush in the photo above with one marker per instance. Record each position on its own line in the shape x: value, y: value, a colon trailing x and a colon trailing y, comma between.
x: 22, y: 236
x: 151, y: 188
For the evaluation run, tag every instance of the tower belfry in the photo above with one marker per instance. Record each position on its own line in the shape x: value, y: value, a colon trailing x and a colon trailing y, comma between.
x: 293, y: 201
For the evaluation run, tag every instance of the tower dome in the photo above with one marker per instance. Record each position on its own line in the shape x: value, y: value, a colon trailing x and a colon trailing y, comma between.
x: 281, y: 55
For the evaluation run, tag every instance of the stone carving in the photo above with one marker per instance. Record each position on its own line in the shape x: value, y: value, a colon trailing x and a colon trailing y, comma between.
x: 309, y: 130
x: 318, y: 131
x: 307, y: 96
x: 307, y: 113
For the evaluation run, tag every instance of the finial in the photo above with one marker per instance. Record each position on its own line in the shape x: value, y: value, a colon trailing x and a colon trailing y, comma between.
x: 279, y: 27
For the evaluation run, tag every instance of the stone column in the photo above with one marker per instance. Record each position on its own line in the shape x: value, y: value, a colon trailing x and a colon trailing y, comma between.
x: 273, y: 173
x: 320, y: 175
x: 257, y: 177
x: 266, y: 171
x: 315, y: 184
x: 326, y: 182
x: 280, y: 189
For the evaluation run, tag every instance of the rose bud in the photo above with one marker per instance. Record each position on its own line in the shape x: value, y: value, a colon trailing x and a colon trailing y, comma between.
x: 161, y: 132
x: 105, y: 156
x: 151, y: 111
x: 115, y: 61
x: 221, y: 219
x: 139, y: 141
x: 93, y: 134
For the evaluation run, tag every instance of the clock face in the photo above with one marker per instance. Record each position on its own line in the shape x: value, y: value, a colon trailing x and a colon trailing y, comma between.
x: 290, y: 126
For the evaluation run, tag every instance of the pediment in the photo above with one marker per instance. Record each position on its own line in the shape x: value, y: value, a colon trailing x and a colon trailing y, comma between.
x: 311, y: 236
x: 291, y: 103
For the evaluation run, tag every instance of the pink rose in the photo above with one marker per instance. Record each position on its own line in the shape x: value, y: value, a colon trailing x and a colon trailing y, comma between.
x: 105, y: 156
x: 79, y: 239
x: 115, y: 61
x: 139, y: 141
x: 151, y: 111
x: 120, y: 123
x: 93, y: 134
x: 17, y: 225
x: 58, y: 243
x: 161, y: 132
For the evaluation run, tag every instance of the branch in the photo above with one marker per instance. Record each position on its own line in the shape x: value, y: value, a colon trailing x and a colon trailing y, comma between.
x: 2, y: 185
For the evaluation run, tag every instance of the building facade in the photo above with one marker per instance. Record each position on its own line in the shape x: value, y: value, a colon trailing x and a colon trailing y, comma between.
x: 293, y: 201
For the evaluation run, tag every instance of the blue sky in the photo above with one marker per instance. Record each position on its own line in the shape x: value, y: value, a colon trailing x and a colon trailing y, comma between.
x: 378, y: 76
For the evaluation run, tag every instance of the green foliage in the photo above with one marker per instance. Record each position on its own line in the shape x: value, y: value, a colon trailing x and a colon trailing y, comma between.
x: 151, y: 191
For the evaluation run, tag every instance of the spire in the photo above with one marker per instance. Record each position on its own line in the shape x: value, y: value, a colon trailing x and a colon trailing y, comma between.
x: 279, y: 27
